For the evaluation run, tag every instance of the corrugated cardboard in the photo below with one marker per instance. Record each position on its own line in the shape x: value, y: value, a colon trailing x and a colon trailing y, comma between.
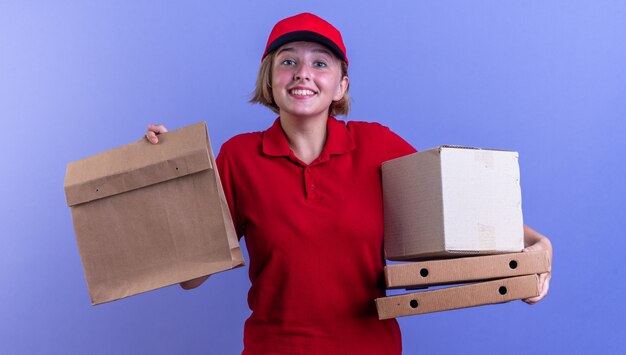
x: 474, y: 268
x: 482, y: 293
x: 452, y: 200
x: 148, y: 216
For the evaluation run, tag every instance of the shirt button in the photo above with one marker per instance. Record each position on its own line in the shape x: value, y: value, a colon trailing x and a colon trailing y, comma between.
x: 312, y: 186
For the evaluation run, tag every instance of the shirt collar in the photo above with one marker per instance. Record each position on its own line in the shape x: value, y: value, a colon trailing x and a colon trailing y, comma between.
x: 338, y: 141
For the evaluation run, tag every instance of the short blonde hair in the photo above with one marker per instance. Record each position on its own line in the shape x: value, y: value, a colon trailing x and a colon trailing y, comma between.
x: 263, y: 90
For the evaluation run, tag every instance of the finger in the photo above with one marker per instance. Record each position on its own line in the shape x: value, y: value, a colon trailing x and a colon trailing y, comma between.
x: 157, y: 128
x: 532, y: 300
x: 541, y: 296
x: 152, y: 138
x: 531, y: 248
x: 544, y: 285
x: 153, y: 131
x: 542, y: 281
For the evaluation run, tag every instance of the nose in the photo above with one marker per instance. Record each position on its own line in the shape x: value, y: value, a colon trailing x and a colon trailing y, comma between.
x: 301, y: 73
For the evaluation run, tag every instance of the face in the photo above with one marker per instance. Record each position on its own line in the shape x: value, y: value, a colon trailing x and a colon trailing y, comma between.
x: 306, y: 79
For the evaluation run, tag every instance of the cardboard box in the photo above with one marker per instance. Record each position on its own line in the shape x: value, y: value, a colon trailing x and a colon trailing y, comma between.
x: 148, y: 216
x: 474, y: 268
x: 482, y: 293
x: 451, y: 201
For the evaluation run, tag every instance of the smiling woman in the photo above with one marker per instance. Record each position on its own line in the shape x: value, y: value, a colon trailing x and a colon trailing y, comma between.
x: 263, y: 92
x: 306, y: 80
x: 306, y: 194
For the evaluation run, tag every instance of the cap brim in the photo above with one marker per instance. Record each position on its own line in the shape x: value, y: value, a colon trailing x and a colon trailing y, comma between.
x: 306, y: 36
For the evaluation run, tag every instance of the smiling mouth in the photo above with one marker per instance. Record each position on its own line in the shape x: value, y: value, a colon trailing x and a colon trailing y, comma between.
x: 302, y: 92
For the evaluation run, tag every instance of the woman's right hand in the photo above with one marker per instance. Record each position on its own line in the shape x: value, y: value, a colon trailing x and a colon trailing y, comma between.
x: 153, y: 131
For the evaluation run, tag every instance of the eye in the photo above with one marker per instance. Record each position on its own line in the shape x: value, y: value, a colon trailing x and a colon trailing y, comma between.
x: 320, y: 64
x: 288, y: 62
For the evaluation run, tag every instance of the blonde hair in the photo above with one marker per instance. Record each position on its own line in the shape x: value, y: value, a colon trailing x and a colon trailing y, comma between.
x: 263, y: 91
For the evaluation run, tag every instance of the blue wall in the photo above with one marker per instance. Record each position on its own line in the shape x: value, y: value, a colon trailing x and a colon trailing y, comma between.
x: 545, y: 78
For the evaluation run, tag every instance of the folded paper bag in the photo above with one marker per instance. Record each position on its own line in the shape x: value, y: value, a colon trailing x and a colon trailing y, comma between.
x: 148, y: 216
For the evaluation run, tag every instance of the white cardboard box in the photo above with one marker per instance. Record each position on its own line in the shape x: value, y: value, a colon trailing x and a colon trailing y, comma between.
x: 450, y: 201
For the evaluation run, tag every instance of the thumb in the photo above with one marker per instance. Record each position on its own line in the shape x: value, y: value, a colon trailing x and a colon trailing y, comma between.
x: 530, y: 248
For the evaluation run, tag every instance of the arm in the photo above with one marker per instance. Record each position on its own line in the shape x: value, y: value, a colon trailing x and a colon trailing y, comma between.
x: 535, y: 241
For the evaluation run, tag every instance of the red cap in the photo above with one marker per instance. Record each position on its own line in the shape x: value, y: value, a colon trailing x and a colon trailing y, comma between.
x: 306, y: 27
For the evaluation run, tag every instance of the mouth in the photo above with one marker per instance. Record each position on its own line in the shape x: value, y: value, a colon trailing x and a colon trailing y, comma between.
x: 302, y: 92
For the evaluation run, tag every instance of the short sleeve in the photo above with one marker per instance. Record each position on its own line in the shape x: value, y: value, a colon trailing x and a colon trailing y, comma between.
x: 395, y: 146
x: 227, y: 175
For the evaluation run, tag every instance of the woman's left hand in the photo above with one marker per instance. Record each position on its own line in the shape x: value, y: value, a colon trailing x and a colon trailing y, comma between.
x: 535, y: 241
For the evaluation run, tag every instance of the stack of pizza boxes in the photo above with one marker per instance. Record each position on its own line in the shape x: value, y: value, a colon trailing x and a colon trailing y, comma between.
x: 453, y: 215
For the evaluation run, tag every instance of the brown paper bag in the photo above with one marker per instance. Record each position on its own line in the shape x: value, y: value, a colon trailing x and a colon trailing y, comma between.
x: 148, y: 216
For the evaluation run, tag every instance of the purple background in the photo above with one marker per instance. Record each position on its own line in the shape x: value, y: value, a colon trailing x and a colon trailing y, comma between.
x: 545, y: 78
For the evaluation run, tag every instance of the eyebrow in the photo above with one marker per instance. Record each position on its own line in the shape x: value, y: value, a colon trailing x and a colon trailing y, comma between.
x: 286, y: 49
x: 324, y: 51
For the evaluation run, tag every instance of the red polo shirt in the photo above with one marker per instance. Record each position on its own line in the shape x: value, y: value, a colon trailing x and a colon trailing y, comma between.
x: 314, y: 235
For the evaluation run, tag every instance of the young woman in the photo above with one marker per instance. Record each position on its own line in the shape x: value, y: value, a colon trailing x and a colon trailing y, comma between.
x: 306, y: 193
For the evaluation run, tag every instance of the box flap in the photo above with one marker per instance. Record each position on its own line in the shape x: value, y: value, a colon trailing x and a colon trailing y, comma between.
x: 180, y: 152
x: 451, y: 146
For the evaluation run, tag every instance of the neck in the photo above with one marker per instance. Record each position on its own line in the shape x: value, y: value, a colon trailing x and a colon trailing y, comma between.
x: 306, y: 136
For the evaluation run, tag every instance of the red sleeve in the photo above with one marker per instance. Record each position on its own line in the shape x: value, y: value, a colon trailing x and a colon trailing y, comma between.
x: 225, y: 169
x: 395, y: 146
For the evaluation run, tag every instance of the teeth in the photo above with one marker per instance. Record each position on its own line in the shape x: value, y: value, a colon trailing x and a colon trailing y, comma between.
x: 302, y: 92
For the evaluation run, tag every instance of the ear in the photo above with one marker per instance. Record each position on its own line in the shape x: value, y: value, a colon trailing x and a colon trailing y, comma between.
x: 343, y: 87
